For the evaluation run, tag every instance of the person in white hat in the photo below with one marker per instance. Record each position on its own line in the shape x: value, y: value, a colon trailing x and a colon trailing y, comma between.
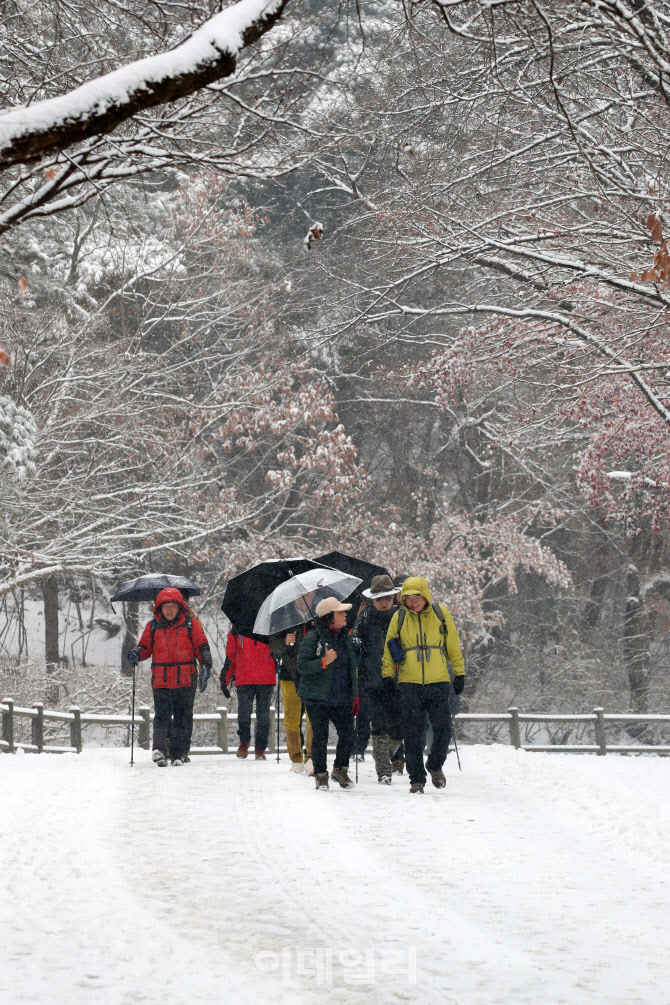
x: 329, y: 688
x: 371, y: 628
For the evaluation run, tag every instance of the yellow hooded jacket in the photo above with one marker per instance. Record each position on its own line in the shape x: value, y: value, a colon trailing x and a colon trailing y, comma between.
x: 423, y: 665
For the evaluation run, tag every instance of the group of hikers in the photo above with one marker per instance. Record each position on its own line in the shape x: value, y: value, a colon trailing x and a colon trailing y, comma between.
x: 381, y: 670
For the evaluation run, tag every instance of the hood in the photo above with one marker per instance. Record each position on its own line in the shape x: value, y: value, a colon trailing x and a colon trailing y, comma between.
x: 170, y: 593
x: 415, y: 584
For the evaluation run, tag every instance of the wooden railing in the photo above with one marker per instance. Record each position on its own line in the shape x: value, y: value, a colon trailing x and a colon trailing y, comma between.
x: 77, y: 720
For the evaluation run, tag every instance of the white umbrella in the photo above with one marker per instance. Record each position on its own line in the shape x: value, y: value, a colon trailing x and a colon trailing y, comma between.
x: 294, y: 602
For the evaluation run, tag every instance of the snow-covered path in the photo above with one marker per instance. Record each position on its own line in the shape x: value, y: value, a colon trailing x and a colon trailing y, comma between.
x: 533, y: 880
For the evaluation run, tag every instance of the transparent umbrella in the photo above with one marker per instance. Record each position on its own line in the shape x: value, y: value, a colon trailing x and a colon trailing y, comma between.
x: 294, y: 602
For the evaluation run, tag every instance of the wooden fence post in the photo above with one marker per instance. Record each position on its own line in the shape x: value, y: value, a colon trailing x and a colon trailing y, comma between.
x: 144, y: 734
x: 8, y: 724
x: 514, y: 728
x: 75, y: 728
x: 272, y: 739
x: 38, y: 726
x: 222, y: 729
x: 601, y: 740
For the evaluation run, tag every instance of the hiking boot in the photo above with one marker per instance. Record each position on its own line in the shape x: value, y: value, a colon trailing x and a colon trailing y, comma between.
x: 439, y: 781
x: 186, y: 759
x: 309, y: 767
x: 397, y: 767
x: 341, y: 775
x: 260, y: 755
x: 242, y: 750
x: 416, y: 787
x: 385, y: 779
x: 177, y: 763
x: 297, y: 766
x: 321, y: 780
x: 159, y: 758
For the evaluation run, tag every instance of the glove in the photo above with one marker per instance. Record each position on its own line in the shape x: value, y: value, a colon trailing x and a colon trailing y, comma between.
x: 355, y: 706
x: 222, y: 681
x: 203, y: 676
x: 459, y: 683
x: 133, y: 656
x: 389, y: 684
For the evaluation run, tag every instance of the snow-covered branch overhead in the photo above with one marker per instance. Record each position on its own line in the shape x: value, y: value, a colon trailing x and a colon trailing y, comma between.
x: 100, y: 105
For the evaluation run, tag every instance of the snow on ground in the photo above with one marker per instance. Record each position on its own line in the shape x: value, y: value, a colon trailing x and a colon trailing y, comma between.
x: 534, y: 879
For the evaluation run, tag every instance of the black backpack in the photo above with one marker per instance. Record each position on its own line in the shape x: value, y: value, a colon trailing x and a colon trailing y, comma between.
x: 443, y: 626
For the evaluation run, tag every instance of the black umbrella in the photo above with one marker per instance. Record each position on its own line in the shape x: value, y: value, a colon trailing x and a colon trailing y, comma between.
x: 246, y: 592
x: 148, y: 587
x: 353, y: 567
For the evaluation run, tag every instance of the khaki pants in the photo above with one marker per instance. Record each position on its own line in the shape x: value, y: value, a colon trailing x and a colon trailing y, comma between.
x: 292, y: 718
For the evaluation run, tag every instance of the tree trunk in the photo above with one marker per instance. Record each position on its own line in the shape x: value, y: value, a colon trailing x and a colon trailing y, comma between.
x: 635, y: 642
x: 131, y: 617
x: 51, y: 652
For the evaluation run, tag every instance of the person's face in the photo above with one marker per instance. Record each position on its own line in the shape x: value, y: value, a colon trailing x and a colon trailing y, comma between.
x: 384, y: 603
x: 170, y: 610
x: 339, y: 619
x: 415, y: 602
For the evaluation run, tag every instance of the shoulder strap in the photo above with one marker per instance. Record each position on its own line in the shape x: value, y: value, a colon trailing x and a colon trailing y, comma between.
x: 401, y: 619
x: 440, y: 613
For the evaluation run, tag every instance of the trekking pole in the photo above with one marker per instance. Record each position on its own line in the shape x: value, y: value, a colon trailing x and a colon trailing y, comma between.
x: 356, y: 736
x: 132, y: 721
x: 453, y: 733
x: 278, y: 709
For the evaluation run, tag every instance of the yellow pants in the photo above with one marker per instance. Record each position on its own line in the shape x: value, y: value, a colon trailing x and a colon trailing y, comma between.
x: 292, y: 717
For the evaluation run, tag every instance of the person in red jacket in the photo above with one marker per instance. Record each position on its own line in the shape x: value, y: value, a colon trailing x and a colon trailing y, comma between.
x: 250, y: 662
x: 176, y: 643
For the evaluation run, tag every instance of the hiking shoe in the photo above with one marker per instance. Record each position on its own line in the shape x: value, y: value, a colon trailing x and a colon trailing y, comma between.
x: 309, y: 767
x: 242, y: 750
x: 186, y: 759
x: 321, y: 780
x: 297, y: 766
x: 177, y: 763
x: 398, y: 767
x: 341, y: 775
x: 416, y: 787
x: 439, y: 781
x: 385, y: 779
x: 159, y: 758
x: 260, y: 755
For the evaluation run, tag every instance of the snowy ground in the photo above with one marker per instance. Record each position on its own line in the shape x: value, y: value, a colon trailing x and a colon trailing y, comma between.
x: 532, y: 880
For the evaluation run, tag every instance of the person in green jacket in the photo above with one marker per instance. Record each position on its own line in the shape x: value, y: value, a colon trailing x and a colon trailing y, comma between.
x: 329, y: 688
x: 422, y: 650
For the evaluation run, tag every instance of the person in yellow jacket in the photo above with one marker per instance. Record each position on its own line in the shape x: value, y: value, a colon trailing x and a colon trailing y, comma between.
x: 422, y: 651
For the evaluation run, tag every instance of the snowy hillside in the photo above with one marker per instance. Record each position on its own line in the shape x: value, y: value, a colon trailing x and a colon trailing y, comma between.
x: 533, y: 880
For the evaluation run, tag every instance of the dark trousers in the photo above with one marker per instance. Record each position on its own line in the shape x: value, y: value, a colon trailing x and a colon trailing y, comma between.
x: 417, y: 701
x: 385, y: 713
x: 321, y: 715
x: 362, y: 721
x: 172, y: 706
x: 246, y: 695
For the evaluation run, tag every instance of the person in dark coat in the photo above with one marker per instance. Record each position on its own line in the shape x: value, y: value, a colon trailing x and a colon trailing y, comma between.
x: 176, y: 643
x: 329, y: 688
x: 382, y: 697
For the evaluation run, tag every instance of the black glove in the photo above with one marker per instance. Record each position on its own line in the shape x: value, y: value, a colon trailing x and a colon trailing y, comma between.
x: 459, y: 683
x: 204, y: 676
x: 389, y: 684
x: 222, y: 681
x: 133, y: 656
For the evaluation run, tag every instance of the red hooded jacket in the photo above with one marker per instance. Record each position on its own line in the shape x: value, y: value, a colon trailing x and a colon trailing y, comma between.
x: 174, y: 650
x: 249, y: 661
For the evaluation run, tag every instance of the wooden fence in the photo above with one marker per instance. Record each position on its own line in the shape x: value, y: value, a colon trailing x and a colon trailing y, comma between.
x: 77, y: 720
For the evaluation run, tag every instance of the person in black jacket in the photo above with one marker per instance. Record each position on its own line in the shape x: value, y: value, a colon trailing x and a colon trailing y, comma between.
x: 371, y: 628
